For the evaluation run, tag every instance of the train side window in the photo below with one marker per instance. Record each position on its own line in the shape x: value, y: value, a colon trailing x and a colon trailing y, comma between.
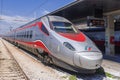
x: 44, y: 30
x: 31, y: 34
x: 27, y: 34
x: 24, y: 34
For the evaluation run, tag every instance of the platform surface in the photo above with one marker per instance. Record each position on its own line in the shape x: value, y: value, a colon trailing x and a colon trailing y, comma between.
x: 111, y: 64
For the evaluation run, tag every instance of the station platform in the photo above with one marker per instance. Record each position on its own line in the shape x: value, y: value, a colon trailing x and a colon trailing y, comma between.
x: 111, y: 64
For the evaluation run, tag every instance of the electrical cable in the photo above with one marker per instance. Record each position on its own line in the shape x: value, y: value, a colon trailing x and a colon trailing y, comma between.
x: 43, y: 3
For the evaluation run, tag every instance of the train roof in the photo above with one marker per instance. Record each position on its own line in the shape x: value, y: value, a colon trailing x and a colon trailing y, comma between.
x: 52, y: 17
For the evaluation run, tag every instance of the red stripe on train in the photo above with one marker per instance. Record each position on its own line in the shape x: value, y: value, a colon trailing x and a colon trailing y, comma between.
x: 35, y: 44
x: 76, y: 37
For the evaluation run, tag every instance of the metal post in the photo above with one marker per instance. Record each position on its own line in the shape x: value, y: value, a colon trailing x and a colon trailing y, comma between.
x: 109, y: 36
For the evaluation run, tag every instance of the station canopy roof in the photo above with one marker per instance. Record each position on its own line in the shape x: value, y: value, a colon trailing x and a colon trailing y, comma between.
x: 83, y: 8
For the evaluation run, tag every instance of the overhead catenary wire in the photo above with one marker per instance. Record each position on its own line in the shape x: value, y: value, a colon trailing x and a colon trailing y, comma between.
x: 38, y: 7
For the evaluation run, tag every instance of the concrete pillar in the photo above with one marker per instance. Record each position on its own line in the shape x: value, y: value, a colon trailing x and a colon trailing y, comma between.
x: 109, y: 36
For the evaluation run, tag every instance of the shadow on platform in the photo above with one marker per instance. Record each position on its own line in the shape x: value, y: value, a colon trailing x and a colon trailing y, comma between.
x: 115, y: 58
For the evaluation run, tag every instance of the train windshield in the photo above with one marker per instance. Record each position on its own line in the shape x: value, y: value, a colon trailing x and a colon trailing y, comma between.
x: 64, y: 27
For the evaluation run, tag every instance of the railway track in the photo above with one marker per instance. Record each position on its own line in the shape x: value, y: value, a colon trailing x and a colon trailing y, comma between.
x: 35, y: 70
x: 9, y: 67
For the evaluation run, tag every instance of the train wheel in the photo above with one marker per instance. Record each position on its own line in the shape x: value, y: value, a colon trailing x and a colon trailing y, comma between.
x: 44, y: 57
x: 39, y: 54
x: 40, y: 57
x: 47, y: 60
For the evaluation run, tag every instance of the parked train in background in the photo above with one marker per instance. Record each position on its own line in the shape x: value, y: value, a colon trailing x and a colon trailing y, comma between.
x: 55, y: 40
x: 96, y: 32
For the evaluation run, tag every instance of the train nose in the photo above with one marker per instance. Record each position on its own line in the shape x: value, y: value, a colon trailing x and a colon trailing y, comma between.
x: 88, y: 60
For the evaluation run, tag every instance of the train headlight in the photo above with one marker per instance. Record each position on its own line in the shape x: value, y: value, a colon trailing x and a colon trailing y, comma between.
x: 69, y: 46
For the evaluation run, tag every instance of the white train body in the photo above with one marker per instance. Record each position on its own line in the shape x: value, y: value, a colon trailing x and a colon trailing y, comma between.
x: 57, y: 39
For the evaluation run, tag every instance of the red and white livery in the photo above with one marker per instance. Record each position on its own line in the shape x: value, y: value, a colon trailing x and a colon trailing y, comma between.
x: 56, y: 40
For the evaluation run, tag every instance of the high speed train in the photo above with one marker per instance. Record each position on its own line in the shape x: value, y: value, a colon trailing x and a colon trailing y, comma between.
x: 57, y: 41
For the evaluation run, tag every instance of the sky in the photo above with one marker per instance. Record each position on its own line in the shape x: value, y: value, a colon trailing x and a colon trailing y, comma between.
x: 14, y: 13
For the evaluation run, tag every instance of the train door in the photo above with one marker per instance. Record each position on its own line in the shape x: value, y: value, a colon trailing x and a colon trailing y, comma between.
x: 45, y: 36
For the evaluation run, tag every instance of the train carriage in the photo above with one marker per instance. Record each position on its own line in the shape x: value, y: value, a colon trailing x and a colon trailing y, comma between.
x: 57, y: 41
